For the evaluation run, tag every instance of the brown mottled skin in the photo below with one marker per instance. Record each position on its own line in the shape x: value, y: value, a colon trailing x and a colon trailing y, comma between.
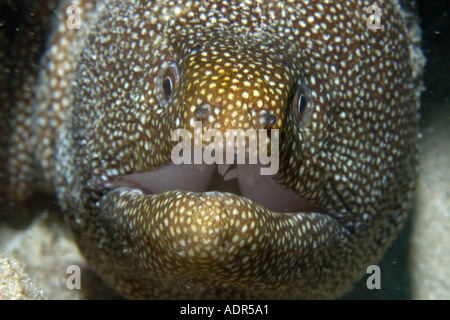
x: 108, y: 96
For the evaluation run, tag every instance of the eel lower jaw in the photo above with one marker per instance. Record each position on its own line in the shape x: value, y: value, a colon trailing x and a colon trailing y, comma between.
x: 186, y: 224
x: 243, y: 180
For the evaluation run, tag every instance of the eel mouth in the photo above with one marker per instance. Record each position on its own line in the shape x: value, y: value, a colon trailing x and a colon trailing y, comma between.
x: 243, y: 180
x: 216, y: 224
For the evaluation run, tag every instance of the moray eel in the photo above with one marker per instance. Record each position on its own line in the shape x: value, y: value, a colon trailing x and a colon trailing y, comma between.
x: 342, y: 93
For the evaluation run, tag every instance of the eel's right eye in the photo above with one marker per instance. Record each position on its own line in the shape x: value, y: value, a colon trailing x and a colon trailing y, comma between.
x: 167, y: 87
x: 170, y: 81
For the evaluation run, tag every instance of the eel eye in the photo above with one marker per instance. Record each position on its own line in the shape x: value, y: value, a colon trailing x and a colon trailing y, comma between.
x: 170, y: 81
x: 299, y: 102
x: 167, y: 87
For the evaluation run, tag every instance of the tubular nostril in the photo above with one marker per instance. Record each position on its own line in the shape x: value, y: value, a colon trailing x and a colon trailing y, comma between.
x: 271, y: 119
x: 268, y: 120
x: 202, y: 112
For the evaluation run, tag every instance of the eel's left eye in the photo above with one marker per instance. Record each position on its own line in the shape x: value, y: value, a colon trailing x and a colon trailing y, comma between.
x: 170, y: 81
x: 299, y: 102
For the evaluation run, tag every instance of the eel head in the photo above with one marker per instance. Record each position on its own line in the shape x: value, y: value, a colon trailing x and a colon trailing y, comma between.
x: 329, y: 205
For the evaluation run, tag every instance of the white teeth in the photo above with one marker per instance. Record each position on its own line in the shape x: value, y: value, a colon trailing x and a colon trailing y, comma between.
x: 250, y: 184
x: 232, y: 174
x: 223, y: 168
x: 267, y: 192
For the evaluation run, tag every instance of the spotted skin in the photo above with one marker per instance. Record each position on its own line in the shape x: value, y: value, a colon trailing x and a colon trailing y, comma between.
x: 21, y: 27
x: 105, y: 110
